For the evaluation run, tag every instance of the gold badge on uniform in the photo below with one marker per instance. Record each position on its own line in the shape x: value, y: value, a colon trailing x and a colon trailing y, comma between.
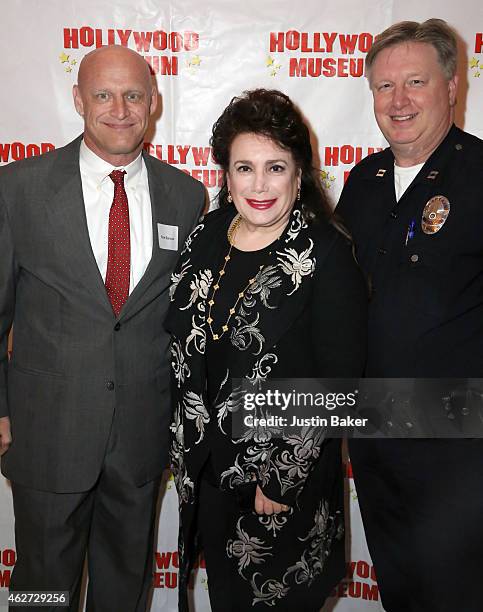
x: 435, y: 214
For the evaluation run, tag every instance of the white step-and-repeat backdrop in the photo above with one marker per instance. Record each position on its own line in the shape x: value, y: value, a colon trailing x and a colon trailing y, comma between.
x: 204, y: 53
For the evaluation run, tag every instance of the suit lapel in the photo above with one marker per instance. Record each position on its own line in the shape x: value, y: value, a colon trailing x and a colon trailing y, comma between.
x: 66, y: 212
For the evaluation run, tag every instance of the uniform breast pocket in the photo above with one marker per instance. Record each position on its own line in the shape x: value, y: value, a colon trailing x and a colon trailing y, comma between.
x: 424, y: 279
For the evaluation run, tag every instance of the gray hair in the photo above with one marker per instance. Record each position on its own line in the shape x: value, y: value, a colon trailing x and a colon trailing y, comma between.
x: 435, y: 32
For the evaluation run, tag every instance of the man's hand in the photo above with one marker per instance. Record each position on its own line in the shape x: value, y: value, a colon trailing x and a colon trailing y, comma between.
x: 5, y: 435
x: 263, y: 505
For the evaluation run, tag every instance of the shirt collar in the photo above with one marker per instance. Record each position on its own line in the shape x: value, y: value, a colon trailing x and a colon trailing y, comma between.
x: 98, y: 170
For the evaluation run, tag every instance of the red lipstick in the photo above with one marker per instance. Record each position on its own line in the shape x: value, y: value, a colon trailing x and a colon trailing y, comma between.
x: 261, y: 204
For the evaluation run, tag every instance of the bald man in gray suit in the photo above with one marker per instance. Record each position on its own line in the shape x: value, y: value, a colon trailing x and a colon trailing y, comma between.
x: 90, y: 234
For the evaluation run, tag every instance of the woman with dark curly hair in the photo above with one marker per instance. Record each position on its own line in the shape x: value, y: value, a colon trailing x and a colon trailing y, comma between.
x: 266, y: 287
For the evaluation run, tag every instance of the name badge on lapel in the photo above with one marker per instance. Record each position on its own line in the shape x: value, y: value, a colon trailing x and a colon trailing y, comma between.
x: 168, y: 237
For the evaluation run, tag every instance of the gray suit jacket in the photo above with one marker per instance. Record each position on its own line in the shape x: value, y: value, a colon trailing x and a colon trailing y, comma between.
x: 74, y: 365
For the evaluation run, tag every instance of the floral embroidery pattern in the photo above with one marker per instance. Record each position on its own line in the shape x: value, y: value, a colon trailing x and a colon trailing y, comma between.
x: 184, y: 484
x: 298, y: 223
x: 297, y: 265
x: 267, y: 279
x: 178, y: 364
x: 194, y: 410
x: 320, y: 538
x: 268, y: 592
x: 232, y: 403
x: 274, y: 522
x: 177, y: 277
x: 199, y: 286
x: 235, y: 476
x: 191, y: 237
x: 246, y: 549
x: 197, y: 336
x: 293, y: 464
x: 244, y: 333
x: 262, y: 369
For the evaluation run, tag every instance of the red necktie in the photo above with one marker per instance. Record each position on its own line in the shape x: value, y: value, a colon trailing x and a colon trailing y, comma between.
x: 119, y: 245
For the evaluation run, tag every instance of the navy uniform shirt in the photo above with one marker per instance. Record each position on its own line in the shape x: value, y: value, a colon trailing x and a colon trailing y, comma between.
x: 426, y: 310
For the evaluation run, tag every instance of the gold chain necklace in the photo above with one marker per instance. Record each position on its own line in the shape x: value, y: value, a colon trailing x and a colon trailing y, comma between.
x: 232, y: 230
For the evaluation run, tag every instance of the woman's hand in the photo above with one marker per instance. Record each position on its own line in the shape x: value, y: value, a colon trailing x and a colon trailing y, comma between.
x: 263, y: 505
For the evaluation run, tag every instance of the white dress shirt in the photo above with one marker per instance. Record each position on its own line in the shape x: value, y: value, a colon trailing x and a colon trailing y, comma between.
x: 98, y: 190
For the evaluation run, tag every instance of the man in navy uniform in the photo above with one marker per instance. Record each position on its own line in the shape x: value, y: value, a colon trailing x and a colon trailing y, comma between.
x: 416, y: 214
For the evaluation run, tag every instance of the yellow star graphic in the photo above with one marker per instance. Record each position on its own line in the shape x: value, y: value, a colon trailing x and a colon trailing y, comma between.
x: 474, y: 62
x: 477, y: 74
x: 270, y: 61
x: 73, y: 62
x: 68, y: 69
x: 323, y: 174
x: 63, y: 58
x: 196, y: 60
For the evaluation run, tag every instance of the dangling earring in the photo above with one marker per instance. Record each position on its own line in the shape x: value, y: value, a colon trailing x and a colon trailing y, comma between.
x: 229, y: 198
x: 298, y: 195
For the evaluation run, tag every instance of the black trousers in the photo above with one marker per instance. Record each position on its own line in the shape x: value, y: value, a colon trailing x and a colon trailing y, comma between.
x: 422, y: 507
x: 114, y: 522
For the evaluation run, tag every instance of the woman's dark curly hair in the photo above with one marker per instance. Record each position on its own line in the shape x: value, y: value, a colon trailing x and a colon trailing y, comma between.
x: 271, y: 113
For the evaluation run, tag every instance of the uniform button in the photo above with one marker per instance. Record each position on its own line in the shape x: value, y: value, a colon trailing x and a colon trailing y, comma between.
x: 110, y: 385
x: 117, y: 327
x: 414, y: 258
x: 393, y: 215
x: 382, y: 251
